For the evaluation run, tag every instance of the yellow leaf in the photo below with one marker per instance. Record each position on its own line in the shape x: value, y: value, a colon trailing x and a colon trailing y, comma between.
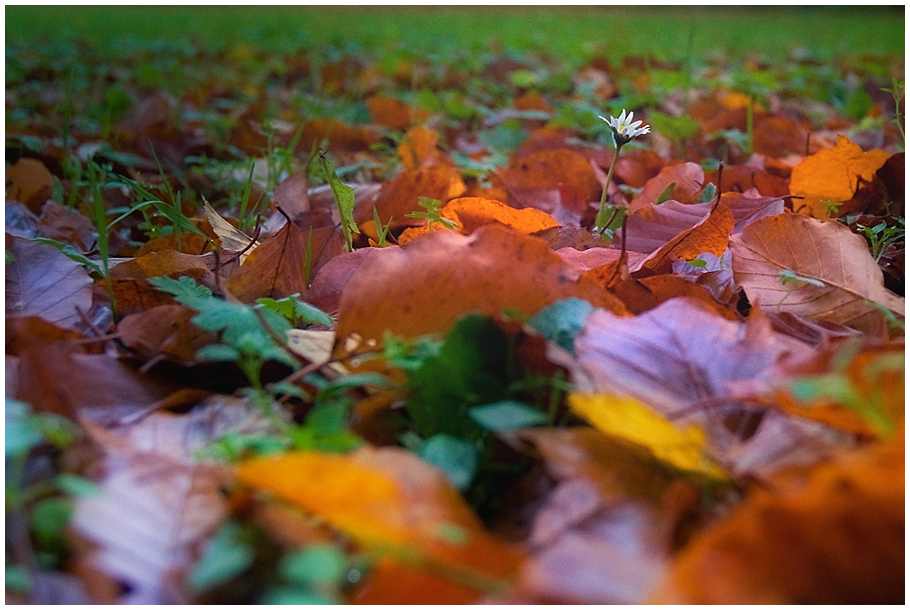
x: 632, y: 420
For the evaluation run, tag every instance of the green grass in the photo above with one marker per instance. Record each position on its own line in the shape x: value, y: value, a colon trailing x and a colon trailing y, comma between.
x: 823, y: 32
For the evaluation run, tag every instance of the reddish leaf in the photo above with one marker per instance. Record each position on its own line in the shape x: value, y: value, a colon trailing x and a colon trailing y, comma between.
x: 276, y: 268
x: 42, y: 281
x: 391, y: 112
x: 64, y: 224
x: 546, y: 171
x: 165, y: 329
x: 827, y: 253
x: 688, y: 179
x: 425, y: 286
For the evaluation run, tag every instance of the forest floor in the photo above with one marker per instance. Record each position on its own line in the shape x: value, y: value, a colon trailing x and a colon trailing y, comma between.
x: 319, y: 305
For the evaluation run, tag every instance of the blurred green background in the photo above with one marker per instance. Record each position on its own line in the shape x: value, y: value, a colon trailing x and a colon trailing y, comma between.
x: 676, y: 32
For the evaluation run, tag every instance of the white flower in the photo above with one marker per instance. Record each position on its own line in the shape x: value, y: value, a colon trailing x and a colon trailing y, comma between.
x: 624, y: 129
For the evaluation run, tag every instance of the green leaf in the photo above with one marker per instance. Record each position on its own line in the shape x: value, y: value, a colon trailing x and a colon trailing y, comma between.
x: 561, y: 321
x: 20, y: 434
x: 285, y: 596
x: 673, y: 127
x: 185, y: 290
x: 217, y: 353
x: 71, y: 252
x: 344, y: 199
x: 49, y: 518
x: 507, y: 415
x: 457, y: 458
x: 708, y: 193
x: 471, y: 369
x: 17, y: 579
x: 292, y: 308
x: 77, y: 486
x: 318, y: 564
x: 225, y: 557
x: 665, y: 194
x: 787, y: 276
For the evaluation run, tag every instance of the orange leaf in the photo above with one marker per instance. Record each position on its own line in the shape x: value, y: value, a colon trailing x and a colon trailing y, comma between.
x: 832, y: 175
x: 418, y: 148
x: 472, y: 213
x: 398, y: 197
x: 424, y: 286
x: 390, y: 112
x: 29, y: 181
x: 388, y: 500
x: 838, y: 539
x: 548, y: 169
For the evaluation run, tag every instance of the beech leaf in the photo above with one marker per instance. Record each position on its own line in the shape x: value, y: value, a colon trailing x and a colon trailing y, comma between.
x: 43, y: 281
x: 826, y: 253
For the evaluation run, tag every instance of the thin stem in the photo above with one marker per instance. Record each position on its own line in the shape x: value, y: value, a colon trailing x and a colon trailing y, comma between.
x: 599, y: 225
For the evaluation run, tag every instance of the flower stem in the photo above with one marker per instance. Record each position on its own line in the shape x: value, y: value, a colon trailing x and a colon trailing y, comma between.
x: 599, y: 225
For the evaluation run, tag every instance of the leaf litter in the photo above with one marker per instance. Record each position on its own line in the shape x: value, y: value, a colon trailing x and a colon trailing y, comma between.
x: 365, y: 347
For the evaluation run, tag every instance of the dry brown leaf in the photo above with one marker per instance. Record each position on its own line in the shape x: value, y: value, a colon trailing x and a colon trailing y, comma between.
x: 275, y: 269
x: 836, y: 538
x: 67, y: 225
x: 164, y: 329
x: 545, y: 171
x: 29, y: 181
x: 426, y: 285
x: 824, y: 252
x: 42, y: 281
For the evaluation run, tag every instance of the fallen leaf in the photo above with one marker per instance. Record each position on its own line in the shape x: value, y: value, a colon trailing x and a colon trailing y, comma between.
x: 844, y: 282
x: 426, y: 285
x: 631, y: 420
x: 274, y: 269
x: 28, y: 181
x: 398, y: 197
x: 687, y: 178
x: 232, y: 239
x: 152, y: 513
x: 164, y: 329
x: 832, y: 175
x: 837, y: 538
x: 391, y: 112
x: 546, y: 170
x: 471, y: 213
x: 67, y: 225
x: 418, y: 148
x: 404, y: 506
x: 42, y: 281
x: 681, y: 360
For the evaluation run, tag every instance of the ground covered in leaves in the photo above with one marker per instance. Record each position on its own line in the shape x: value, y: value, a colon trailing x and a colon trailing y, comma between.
x: 331, y: 326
